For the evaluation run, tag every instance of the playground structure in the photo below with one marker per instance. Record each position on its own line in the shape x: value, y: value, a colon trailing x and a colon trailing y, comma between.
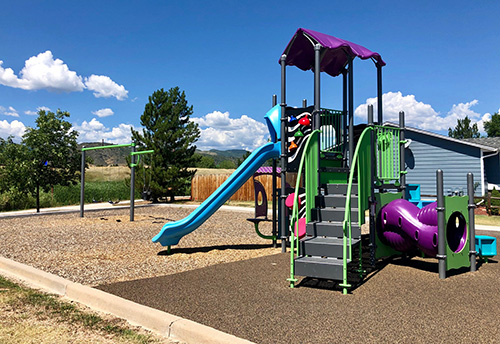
x: 133, y: 165
x: 344, y: 170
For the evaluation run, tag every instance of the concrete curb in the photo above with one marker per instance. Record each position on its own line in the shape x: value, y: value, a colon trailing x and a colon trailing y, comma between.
x: 157, y: 321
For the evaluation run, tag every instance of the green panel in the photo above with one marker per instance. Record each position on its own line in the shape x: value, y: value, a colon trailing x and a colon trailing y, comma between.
x: 364, y: 176
x: 382, y: 199
x: 311, y: 175
x: 455, y: 260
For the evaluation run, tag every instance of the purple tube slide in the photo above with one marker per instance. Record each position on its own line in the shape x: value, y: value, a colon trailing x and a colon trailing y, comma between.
x: 403, y: 226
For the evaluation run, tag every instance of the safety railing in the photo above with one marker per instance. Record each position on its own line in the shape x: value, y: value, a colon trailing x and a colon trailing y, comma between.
x: 332, y: 133
x: 346, y: 225
x: 294, y: 223
x: 388, y: 156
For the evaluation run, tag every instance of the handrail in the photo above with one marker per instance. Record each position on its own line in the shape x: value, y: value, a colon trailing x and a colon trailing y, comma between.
x: 346, y: 225
x: 295, y: 212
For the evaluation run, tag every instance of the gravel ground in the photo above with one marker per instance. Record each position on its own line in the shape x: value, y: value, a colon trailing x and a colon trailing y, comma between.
x: 105, y: 247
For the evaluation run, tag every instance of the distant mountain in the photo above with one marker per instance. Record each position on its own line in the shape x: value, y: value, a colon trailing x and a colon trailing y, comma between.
x: 116, y: 156
x: 222, y: 155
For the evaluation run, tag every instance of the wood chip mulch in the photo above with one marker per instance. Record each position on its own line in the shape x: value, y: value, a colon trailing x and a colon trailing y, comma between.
x: 105, y: 247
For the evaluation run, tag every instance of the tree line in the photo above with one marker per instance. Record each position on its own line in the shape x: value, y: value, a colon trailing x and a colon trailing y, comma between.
x: 48, y: 154
x: 466, y: 130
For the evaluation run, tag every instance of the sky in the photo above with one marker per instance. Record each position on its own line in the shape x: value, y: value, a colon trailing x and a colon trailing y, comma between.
x: 101, y: 60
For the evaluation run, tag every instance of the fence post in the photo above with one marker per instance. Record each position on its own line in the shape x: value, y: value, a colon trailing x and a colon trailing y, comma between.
x: 472, y: 230
x: 488, y: 210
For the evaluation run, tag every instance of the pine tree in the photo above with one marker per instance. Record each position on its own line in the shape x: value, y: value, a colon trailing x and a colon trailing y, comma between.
x: 464, y: 130
x: 170, y: 133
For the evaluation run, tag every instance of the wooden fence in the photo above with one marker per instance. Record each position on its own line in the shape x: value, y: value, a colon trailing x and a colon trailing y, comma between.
x: 203, y: 186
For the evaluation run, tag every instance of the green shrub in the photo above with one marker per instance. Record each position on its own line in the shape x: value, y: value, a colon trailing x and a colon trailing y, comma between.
x: 495, y: 202
x: 13, y: 199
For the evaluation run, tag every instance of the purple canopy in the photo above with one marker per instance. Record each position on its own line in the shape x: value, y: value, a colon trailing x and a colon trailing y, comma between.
x: 300, y: 52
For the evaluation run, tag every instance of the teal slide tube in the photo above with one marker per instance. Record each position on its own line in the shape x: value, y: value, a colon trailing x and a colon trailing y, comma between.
x: 172, y: 232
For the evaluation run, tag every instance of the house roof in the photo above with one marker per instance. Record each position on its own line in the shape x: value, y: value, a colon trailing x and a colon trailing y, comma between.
x: 486, y: 141
x: 486, y: 147
x: 336, y: 54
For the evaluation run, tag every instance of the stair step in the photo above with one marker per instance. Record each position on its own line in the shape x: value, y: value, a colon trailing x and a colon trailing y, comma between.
x: 331, y: 229
x: 328, y: 268
x: 335, y: 201
x: 340, y: 189
x: 323, y: 246
x: 333, y: 214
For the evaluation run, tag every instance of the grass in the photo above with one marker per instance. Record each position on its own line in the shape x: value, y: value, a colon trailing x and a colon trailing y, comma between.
x: 29, y: 316
x: 487, y: 220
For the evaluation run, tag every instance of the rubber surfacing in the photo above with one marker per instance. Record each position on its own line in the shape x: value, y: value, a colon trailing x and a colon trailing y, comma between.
x: 404, y: 302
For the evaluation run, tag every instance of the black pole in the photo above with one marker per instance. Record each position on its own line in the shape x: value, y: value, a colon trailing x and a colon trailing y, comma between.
x: 379, y: 94
x: 402, y: 162
x: 472, y: 229
x: 351, y: 111
x: 372, y: 204
x: 82, y: 184
x: 317, y: 106
x: 275, y: 188
x: 132, y: 183
x: 304, y: 103
x: 441, y: 256
x: 284, y: 139
x: 344, y: 117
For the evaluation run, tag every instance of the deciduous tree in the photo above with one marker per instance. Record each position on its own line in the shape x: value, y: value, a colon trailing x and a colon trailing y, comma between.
x: 52, y: 155
x: 492, y: 127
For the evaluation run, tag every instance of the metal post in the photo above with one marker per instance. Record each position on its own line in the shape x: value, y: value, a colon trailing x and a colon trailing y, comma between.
x: 274, y: 182
x: 82, y: 185
x: 472, y: 229
x: 344, y: 117
x: 441, y: 256
x: 379, y: 94
x: 372, y: 245
x: 132, y: 183
x: 317, y: 107
x: 402, y: 162
x: 351, y: 112
x: 304, y: 103
x: 284, y: 157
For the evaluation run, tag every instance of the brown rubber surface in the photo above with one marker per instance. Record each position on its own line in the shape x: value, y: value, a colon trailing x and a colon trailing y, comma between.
x: 405, y: 302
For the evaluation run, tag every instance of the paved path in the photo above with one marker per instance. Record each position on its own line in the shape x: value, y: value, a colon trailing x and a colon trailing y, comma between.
x: 405, y: 302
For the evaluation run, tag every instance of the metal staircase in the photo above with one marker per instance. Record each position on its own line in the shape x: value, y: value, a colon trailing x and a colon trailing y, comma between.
x: 321, y: 250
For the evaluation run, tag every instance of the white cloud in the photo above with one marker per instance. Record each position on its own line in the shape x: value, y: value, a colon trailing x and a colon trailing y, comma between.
x: 14, y: 128
x: 104, y: 87
x: 9, y: 112
x: 95, y: 131
x: 103, y: 112
x: 419, y: 114
x: 34, y: 113
x: 219, y: 131
x: 44, y: 72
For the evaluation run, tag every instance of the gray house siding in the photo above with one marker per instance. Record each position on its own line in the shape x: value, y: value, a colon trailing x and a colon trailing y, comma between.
x: 492, y: 168
x: 427, y: 153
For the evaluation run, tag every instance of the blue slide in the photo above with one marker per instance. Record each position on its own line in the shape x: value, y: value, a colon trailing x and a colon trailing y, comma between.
x: 172, y: 232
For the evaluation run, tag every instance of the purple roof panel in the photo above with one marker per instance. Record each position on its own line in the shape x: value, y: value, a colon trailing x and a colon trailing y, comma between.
x: 300, y: 52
